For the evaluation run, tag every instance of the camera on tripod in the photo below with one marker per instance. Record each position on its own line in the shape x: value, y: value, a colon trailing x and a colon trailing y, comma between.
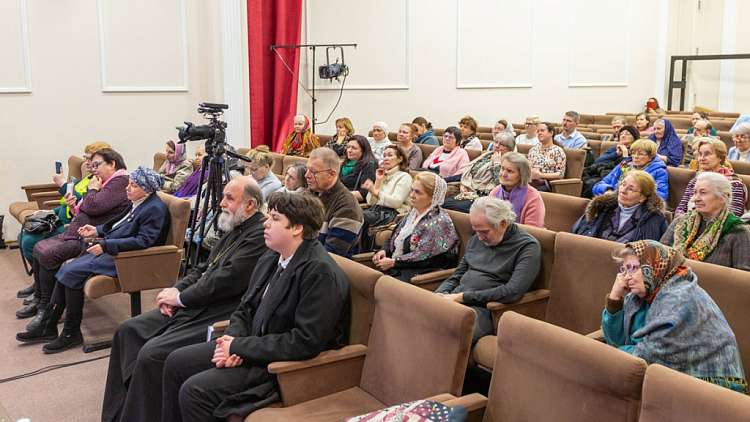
x: 214, y: 132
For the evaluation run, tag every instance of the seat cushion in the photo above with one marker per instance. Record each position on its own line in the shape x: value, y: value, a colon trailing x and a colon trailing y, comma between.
x: 334, y: 407
x: 101, y: 285
x: 19, y: 210
x: 484, y: 351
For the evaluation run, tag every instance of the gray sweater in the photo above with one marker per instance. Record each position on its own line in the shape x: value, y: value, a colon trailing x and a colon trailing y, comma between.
x: 501, y: 273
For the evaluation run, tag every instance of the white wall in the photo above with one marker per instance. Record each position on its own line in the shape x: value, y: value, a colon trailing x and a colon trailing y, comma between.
x: 488, y: 58
x: 123, y: 72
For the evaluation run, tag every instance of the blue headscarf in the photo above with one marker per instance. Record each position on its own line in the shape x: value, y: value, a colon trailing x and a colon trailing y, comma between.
x: 670, y: 145
x: 147, y: 179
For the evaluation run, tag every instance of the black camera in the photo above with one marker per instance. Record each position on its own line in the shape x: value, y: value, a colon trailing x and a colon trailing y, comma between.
x: 214, y: 131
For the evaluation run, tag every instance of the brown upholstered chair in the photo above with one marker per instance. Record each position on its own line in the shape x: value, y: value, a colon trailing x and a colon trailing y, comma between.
x: 671, y: 396
x: 740, y: 167
x: 571, y: 183
x: 595, y: 145
x: 278, y: 163
x: 150, y: 268
x: 678, y: 181
x: 523, y: 148
x: 562, y: 211
x: 358, y: 379
x: 426, y: 150
x: 159, y: 159
x: 44, y: 195
x: 323, y: 139
x: 289, y: 160
x: 485, y: 136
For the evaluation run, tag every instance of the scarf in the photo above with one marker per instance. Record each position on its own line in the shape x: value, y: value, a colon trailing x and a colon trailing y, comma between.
x: 180, y: 154
x: 697, y: 245
x: 483, y: 172
x: 348, y: 167
x: 296, y: 142
x: 670, y: 136
x: 516, y: 197
x: 190, y: 187
x: 659, y: 264
x: 413, y: 218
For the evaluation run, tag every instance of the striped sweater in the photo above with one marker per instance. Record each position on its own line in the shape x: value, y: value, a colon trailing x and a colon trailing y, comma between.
x: 342, y: 222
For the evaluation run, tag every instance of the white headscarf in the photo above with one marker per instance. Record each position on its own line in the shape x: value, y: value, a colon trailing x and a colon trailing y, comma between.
x: 412, y: 219
x: 383, y: 126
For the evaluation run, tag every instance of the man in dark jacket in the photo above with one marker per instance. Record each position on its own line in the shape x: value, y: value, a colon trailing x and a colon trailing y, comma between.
x: 500, y: 263
x: 296, y: 307
x: 205, y: 295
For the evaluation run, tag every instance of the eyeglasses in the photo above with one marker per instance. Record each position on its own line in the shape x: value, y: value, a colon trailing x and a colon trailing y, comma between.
x: 95, y: 164
x: 629, y: 268
x: 315, y: 173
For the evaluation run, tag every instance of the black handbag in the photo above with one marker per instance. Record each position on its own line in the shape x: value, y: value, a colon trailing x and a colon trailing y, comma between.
x: 41, y: 222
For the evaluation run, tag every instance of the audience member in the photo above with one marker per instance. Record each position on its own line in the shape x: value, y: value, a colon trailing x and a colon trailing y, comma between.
x: 206, y: 294
x: 407, y: 132
x: 297, y: 306
x: 652, y: 106
x: 529, y: 137
x: 379, y: 139
x: 570, y: 137
x: 344, y: 132
x: 633, y: 212
x: 711, y: 157
x: 260, y: 170
x: 294, y: 179
x: 608, y: 159
x: 425, y: 132
x: 642, y: 157
x: 658, y: 312
x: 643, y: 124
x: 469, y: 138
x: 697, y: 117
x: 514, y: 187
x: 176, y: 168
x: 617, y: 123
x: 741, y: 138
x: 448, y: 159
x: 500, y: 263
x: 190, y: 187
x: 425, y: 240
x: 547, y: 159
x: 301, y: 140
x: 388, y: 195
x: 359, y: 166
x: 481, y: 176
x: 342, y: 220
x: 669, y: 146
x: 710, y: 232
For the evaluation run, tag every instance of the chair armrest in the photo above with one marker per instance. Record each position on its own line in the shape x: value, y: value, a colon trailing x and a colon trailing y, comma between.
x: 597, y: 335
x: 430, y: 281
x: 154, y: 250
x: 220, y: 326
x: 39, y: 187
x: 42, y: 197
x: 570, y: 187
x: 363, y: 258
x: 454, y: 188
x: 474, y: 404
x: 151, y: 268
x: 329, y: 372
x: 532, y: 304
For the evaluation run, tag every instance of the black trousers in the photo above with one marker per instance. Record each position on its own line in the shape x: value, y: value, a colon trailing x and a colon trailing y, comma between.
x: 140, y: 346
x: 194, y: 387
x: 44, y: 282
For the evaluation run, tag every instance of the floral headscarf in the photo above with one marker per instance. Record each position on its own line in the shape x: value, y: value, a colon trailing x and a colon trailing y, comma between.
x: 659, y: 264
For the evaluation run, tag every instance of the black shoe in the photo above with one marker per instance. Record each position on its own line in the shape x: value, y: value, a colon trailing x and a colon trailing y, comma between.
x: 27, y: 311
x: 39, y: 319
x: 63, y: 342
x: 25, y: 292
x: 31, y: 299
x: 43, y: 327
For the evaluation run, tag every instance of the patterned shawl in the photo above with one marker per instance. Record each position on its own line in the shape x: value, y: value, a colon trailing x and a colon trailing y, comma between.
x: 698, y: 245
x: 300, y: 143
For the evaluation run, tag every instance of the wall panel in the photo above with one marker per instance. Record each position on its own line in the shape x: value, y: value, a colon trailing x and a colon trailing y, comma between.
x: 15, y: 72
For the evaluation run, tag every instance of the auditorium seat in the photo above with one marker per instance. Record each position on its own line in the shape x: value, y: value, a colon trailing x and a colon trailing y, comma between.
x: 418, y: 347
x: 671, y: 396
x: 362, y: 282
x: 323, y: 139
x: 571, y: 183
x: 290, y: 160
x: 159, y: 159
x: 562, y: 211
x: 678, y: 181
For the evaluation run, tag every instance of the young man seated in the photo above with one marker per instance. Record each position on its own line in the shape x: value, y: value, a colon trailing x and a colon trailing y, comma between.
x: 297, y: 306
x: 500, y: 263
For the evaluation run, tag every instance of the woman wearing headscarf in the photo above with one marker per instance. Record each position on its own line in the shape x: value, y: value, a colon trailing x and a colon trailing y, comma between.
x: 668, y: 143
x: 379, y: 140
x: 657, y: 311
x: 642, y: 157
x: 711, y: 157
x: 301, y: 141
x: 425, y: 240
x: 176, y: 168
x: 144, y: 224
x: 514, y: 187
x: 448, y: 159
x: 632, y: 212
x: 710, y: 232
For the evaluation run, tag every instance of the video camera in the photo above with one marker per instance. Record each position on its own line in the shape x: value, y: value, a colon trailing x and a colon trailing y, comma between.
x: 214, y: 132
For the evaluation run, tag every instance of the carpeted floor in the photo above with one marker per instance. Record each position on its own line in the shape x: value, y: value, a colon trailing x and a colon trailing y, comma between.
x: 67, y: 394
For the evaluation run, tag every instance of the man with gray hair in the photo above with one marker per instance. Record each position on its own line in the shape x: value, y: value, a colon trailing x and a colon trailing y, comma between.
x: 500, y: 263
x: 570, y: 137
x: 205, y: 295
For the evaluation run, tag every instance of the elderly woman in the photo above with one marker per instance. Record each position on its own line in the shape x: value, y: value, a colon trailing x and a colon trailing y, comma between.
x: 294, y: 179
x: 425, y: 240
x: 388, y: 195
x: 481, y: 175
x: 710, y: 232
x: 407, y: 132
x: 260, y: 170
x: 448, y: 159
x: 469, y: 138
x: 657, y: 311
x: 529, y: 137
x: 547, y: 159
x: 643, y: 124
x: 144, y: 224
x: 669, y: 144
x: 515, y: 175
x: 104, y: 199
x: 741, y: 138
x: 358, y: 167
x: 379, y: 140
x: 711, y: 157
x: 642, y: 157
x: 344, y: 132
x: 176, y: 168
x: 633, y: 212
x: 424, y: 131
x: 301, y: 140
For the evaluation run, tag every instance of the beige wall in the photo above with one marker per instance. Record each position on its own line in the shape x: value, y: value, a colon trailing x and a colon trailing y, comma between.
x: 144, y: 49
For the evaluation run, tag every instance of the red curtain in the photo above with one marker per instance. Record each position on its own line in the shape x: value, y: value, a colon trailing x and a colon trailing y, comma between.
x: 273, y: 90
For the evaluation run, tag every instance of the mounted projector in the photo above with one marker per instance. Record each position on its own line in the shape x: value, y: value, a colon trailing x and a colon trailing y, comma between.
x: 333, y: 71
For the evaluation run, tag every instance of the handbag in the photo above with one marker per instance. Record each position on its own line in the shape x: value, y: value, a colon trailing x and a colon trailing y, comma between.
x: 41, y: 222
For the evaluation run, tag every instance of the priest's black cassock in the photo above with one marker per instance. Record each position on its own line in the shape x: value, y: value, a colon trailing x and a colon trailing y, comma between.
x: 209, y: 294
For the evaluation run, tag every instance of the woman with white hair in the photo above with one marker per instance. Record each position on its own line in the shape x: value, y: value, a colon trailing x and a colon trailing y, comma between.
x: 741, y: 138
x: 379, y: 140
x: 514, y: 187
x: 710, y: 232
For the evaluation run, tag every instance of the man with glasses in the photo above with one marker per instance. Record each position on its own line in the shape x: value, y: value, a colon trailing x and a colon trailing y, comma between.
x: 343, y: 216
x: 529, y: 138
x: 570, y: 138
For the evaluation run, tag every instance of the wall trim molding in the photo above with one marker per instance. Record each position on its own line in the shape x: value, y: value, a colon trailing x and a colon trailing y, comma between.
x: 106, y: 87
x: 25, y: 54
x: 728, y: 46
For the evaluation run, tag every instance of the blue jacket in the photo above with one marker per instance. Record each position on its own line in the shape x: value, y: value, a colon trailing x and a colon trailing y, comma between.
x: 609, y: 155
x: 427, y: 138
x: 147, y: 226
x: 655, y: 168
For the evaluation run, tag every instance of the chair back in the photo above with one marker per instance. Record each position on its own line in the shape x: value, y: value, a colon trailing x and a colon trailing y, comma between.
x: 75, y: 167
x: 290, y: 160
x: 546, y: 373
x: 740, y: 167
x: 419, y: 344
x: 179, y: 213
x: 362, y: 281
x: 463, y: 228
x: 546, y: 239
x: 678, y: 181
x: 574, y: 160
x: 159, y: 159
x: 562, y: 211
x: 523, y: 148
